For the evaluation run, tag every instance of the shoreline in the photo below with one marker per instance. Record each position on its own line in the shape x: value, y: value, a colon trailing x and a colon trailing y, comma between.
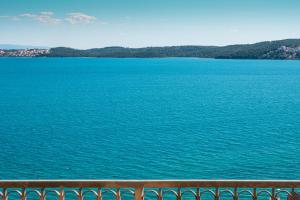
x: 201, y: 58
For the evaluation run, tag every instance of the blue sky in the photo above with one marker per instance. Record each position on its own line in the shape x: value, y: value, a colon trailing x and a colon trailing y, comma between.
x: 138, y: 23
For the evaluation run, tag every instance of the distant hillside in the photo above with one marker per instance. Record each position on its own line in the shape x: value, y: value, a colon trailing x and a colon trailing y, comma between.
x: 281, y: 49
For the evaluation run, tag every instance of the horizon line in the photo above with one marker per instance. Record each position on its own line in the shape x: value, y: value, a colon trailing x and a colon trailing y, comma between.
x: 128, y: 47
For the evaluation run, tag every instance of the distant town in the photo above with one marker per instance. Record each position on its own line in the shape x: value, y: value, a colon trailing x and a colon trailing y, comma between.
x: 23, y: 52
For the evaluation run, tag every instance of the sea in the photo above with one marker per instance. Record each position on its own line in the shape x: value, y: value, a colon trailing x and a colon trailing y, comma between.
x: 153, y: 118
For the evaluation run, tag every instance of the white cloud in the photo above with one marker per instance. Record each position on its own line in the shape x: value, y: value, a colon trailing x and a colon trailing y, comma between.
x: 43, y: 17
x: 79, y: 18
x: 48, y: 17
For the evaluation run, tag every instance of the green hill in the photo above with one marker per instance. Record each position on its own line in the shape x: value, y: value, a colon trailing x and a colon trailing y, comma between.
x: 281, y: 49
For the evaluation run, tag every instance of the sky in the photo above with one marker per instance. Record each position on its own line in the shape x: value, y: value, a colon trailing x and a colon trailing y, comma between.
x: 138, y: 23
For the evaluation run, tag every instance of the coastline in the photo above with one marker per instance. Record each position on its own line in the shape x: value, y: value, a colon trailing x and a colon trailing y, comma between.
x: 201, y: 58
x: 288, y: 49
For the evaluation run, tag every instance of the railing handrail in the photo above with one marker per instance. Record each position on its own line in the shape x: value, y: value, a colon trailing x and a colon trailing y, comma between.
x: 149, y: 183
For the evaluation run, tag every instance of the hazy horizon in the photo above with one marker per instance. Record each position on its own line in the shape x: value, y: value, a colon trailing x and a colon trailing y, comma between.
x: 97, y: 23
x: 17, y: 46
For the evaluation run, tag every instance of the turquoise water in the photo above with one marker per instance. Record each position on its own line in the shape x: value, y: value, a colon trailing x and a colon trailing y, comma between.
x: 149, y: 118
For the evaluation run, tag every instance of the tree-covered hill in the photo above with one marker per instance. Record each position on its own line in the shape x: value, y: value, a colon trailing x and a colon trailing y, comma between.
x: 281, y: 49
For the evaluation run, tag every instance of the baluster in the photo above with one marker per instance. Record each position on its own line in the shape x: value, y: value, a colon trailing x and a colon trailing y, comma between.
x: 273, y: 197
x: 62, y: 194
x: 235, y: 193
x: 23, y: 194
x: 254, y: 194
x: 217, y: 195
x: 99, y: 194
x: 4, y: 194
x: 139, y: 193
x: 198, y: 194
x: 43, y: 193
x: 118, y: 197
x: 179, y: 194
x: 80, y: 194
x: 160, y: 194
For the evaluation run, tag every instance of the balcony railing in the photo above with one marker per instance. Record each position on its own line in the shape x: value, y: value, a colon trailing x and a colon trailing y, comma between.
x: 150, y: 189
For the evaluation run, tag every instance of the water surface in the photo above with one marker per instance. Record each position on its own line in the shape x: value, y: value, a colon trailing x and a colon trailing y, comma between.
x: 182, y: 118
